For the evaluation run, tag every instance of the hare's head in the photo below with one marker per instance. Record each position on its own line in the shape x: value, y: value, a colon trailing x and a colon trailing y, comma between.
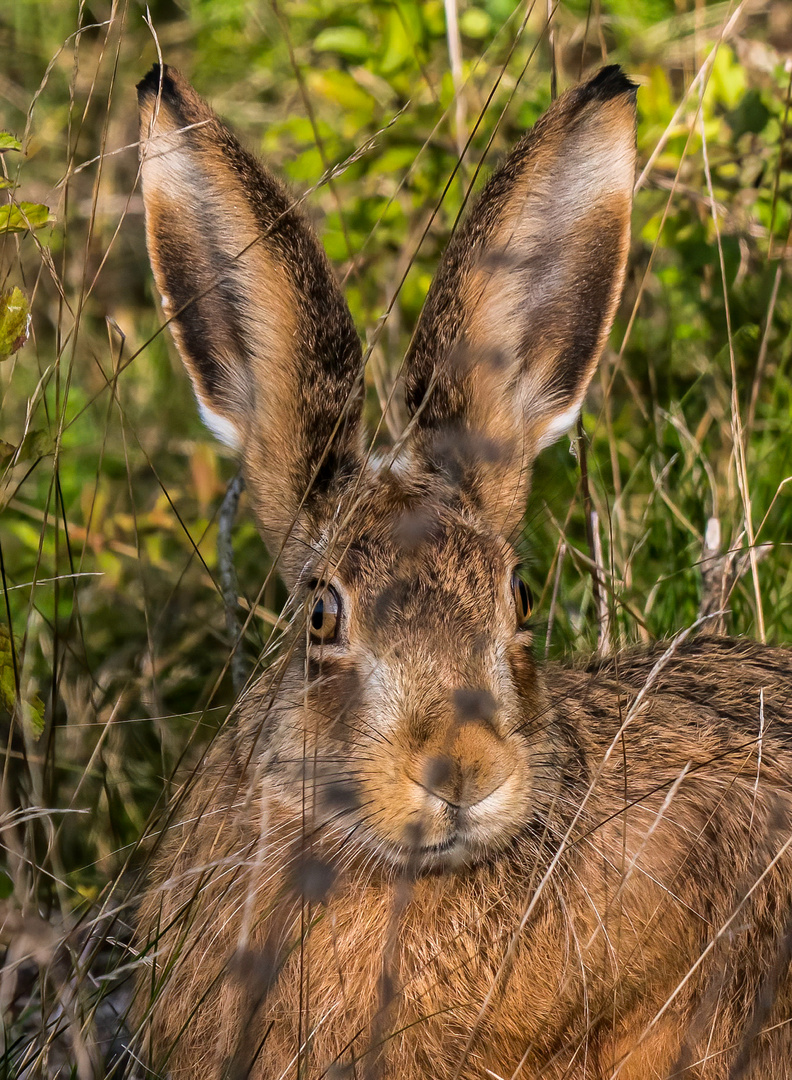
x: 409, y: 714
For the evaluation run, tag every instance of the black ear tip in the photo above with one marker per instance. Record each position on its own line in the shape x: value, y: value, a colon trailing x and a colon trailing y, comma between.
x: 150, y: 83
x: 158, y: 80
x: 609, y: 82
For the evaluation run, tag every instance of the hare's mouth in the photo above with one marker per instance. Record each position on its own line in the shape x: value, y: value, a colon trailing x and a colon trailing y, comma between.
x: 439, y: 849
x: 452, y: 853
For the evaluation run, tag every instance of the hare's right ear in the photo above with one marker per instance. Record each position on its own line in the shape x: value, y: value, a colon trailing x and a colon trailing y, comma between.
x: 250, y: 297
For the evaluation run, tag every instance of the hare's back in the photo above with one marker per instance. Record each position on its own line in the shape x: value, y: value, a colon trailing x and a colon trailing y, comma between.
x: 695, y: 735
x: 736, y: 688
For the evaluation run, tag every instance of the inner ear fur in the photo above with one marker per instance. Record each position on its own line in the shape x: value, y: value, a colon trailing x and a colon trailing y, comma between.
x: 524, y: 299
x: 258, y: 318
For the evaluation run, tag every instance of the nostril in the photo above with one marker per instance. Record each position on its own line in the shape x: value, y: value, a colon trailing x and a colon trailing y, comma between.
x: 474, y: 760
x: 438, y: 772
x: 458, y: 786
x: 441, y: 778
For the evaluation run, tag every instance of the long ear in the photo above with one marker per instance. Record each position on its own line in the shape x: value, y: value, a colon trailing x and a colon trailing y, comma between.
x: 259, y: 321
x: 524, y: 299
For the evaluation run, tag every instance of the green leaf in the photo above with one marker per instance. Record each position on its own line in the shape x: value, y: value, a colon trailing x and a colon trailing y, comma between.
x: 33, y: 716
x: 394, y: 159
x: 475, y: 23
x: 8, y: 142
x: 728, y: 80
x: 14, y: 322
x: 36, y: 444
x: 19, y: 217
x: 751, y: 114
x: 7, y: 685
x: 341, y: 89
x: 398, y: 49
x: 32, y: 710
x: 348, y: 41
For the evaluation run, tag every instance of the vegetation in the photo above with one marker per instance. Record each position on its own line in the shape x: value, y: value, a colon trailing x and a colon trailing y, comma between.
x: 115, y: 656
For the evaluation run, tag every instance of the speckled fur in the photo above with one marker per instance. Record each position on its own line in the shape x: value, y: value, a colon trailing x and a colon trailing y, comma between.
x: 596, y: 882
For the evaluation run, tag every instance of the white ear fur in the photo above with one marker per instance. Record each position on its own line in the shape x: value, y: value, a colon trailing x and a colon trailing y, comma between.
x: 219, y: 426
x: 559, y: 425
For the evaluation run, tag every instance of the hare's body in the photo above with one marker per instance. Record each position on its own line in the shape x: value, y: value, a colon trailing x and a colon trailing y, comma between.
x: 656, y: 933
x: 417, y: 854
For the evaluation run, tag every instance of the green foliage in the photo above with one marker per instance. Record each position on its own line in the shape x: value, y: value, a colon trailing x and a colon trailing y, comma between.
x: 14, y: 322
x: 19, y: 217
x: 8, y: 689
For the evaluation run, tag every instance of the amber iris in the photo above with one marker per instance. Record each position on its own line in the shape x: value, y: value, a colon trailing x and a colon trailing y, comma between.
x: 523, y: 600
x: 325, y: 615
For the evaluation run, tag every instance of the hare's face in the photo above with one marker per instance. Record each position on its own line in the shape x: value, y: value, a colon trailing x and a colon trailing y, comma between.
x: 409, y: 717
x: 413, y: 724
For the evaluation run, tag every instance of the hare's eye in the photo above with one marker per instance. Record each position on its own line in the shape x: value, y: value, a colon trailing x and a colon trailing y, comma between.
x: 325, y: 615
x: 523, y: 600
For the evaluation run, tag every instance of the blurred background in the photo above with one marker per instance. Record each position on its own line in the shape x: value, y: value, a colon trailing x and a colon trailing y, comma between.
x: 674, y: 503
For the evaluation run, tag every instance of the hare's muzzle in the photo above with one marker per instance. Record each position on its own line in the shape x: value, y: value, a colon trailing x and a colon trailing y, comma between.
x: 474, y: 765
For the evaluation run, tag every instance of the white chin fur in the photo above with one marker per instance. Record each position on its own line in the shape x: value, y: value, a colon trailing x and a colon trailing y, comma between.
x: 223, y: 429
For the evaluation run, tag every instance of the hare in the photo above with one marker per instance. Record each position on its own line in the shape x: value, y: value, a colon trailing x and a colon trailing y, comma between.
x: 417, y: 852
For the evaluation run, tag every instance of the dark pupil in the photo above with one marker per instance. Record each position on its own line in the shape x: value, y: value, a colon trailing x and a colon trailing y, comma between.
x: 317, y: 615
x: 523, y: 591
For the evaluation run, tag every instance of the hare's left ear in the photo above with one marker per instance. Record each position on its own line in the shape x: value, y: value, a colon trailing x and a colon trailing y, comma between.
x: 524, y: 299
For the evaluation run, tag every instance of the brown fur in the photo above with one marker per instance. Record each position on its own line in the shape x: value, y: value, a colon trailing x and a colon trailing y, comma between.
x: 417, y: 853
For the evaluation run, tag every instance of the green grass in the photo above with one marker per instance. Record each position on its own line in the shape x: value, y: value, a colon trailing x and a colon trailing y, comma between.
x: 114, y: 662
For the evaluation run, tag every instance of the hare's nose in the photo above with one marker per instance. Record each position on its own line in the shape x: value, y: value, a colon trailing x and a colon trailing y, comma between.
x: 473, y: 766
